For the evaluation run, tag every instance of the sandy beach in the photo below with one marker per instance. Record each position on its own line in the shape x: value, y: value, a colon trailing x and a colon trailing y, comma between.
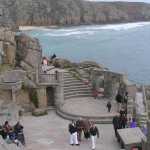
x: 27, y: 28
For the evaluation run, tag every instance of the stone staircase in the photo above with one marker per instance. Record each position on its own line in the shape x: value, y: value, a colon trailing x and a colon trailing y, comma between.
x: 142, y: 119
x: 74, y: 87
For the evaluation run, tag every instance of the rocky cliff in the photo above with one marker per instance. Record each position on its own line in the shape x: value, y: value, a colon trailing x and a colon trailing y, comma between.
x: 70, y: 12
x: 7, y: 45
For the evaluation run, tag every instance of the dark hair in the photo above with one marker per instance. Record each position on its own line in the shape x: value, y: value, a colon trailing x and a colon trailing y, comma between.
x: 133, y: 119
x: 6, y: 122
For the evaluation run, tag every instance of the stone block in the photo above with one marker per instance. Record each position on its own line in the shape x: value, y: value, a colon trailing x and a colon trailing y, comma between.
x: 10, y: 53
x: 42, y: 97
x: 2, y: 34
x: 131, y: 137
x: 39, y: 112
x: 33, y: 57
x: 9, y: 36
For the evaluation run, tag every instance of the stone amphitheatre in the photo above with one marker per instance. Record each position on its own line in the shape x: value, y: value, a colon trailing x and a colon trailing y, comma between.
x: 46, y: 101
x: 38, y: 99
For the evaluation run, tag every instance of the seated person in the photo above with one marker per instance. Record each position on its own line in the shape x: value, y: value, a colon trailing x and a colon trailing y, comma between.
x: 6, y: 128
x: 13, y: 137
x: 18, y: 129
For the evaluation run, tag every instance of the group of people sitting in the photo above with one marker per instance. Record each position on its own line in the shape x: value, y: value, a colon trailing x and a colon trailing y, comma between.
x: 86, y: 127
x: 12, y: 134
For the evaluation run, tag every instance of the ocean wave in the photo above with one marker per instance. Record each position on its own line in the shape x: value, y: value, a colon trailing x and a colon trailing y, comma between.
x: 69, y: 33
x: 81, y: 30
x: 118, y: 27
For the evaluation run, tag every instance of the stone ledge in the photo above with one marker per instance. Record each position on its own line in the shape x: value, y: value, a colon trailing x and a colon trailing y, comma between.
x: 39, y: 112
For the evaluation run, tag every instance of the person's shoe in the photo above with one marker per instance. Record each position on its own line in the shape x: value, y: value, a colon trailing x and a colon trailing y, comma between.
x: 72, y: 144
x: 77, y: 144
x: 17, y: 143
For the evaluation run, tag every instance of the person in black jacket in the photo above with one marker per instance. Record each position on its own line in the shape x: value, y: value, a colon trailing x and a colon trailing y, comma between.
x: 119, y: 100
x: 18, y: 129
x: 116, y: 124
x: 108, y: 106
x: 94, y: 132
x: 73, y: 133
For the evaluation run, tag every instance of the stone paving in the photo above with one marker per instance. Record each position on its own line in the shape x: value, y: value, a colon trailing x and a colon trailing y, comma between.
x: 88, y: 106
x: 50, y: 132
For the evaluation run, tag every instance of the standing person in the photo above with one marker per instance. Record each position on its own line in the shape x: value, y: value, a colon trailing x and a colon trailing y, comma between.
x: 95, y: 94
x: 44, y: 64
x: 123, y: 121
x: 119, y: 101
x: 126, y: 98
x: 73, y: 134
x: 116, y: 124
x: 133, y: 124
x: 87, y: 125
x: 94, y: 132
x: 79, y: 125
x: 108, y: 106
x: 129, y: 120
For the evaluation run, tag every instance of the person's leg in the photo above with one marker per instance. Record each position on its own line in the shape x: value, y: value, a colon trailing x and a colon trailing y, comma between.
x: 93, y: 142
x: 75, y: 138
x: 71, y: 139
x: 118, y: 108
x: 115, y: 131
x: 79, y: 135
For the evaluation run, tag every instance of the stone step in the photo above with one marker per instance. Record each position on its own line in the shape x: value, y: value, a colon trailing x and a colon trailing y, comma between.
x: 98, y: 120
x: 73, y: 95
x: 77, y: 89
x: 51, y: 108
x: 74, y: 83
x: 77, y: 92
x: 72, y: 80
x: 74, y: 90
x: 77, y: 86
x: 76, y: 96
x: 74, y: 87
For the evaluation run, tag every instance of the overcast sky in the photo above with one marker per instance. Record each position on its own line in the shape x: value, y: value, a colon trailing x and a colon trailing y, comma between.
x: 147, y: 1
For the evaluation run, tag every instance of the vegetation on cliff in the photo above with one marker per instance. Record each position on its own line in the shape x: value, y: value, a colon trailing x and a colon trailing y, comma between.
x: 71, y: 12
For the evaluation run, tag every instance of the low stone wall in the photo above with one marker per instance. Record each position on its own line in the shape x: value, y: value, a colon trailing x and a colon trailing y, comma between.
x: 110, y: 81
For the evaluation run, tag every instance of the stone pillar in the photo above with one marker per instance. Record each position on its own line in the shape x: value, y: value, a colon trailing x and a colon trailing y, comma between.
x: 13, y: 95
x: 1, y: 52
x: 60, y: 91
x: 42, y: 97
x: 110, y: 84
x: 10, y: 53
x: 107, y: 85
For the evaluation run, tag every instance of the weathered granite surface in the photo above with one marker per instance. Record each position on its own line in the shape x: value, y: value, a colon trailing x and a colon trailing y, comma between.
x: 70, y: 12
x: 7, y: 45
x: 29, y: 52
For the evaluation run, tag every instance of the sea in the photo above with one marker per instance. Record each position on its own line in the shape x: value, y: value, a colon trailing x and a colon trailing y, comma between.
x: 123, y: 48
